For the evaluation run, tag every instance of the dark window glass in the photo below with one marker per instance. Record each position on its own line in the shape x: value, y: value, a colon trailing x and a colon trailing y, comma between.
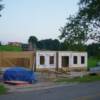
x: 42, y: 60
x: 51, y: 60
x: 82, y: 59
x: 75, y: 59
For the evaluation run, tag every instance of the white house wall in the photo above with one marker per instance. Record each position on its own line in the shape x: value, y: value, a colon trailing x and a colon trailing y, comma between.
x: 46, y: 54
x: 79, y: 60
x: 63, y: 53
x: 71, y: 54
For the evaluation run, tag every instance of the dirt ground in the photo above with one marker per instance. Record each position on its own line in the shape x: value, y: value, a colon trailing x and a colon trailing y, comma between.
x: 44, y: 81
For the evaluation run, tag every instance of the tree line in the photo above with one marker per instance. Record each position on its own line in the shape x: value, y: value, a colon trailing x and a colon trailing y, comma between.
x: 50, y: 44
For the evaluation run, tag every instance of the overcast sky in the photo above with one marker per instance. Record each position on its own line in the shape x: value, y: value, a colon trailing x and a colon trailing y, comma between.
x: 41, y: 18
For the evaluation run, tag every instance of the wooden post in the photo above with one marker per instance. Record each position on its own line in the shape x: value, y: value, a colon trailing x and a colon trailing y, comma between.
x: 57, y: 55
x: 31, y: 61
x: 35, y: 49
x: 0, y: 59
x: 35, y: 61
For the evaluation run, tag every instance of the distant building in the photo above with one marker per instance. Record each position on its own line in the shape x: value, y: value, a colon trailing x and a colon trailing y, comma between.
x: 18, y: 44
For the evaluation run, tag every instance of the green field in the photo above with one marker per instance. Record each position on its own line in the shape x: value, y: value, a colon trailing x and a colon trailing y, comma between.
x: 9, y: 48
x: 92, y: 61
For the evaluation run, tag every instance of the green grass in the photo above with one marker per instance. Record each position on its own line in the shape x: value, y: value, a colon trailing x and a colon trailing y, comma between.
x: 89, y: 78
x: 2, y: 89
x: 9, y: 48
x: 92, y: 61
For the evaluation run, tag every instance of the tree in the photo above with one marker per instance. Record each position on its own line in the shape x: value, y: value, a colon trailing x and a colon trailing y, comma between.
x: 90, y: 12
x: 33, y: 42
x: 48, y: 44
x: 56, y: 44
x: 84, y: 25
x: 90, y: 9
x: 0, y: 43
x: 64, y: 46
x: 1, y: 7
x: 93, y: 50
x: 33, y: 39
x: 75, y: 32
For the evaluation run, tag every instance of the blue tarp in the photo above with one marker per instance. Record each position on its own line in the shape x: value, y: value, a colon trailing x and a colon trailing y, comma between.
x: 19, y: 74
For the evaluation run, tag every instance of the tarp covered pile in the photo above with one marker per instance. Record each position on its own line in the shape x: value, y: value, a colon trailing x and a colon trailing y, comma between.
x: 19, y: 74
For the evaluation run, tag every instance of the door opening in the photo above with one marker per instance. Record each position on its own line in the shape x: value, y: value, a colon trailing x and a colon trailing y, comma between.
x: 65, y: 61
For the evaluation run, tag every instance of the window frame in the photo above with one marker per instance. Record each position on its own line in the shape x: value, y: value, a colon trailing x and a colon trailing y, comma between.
x: 42, y: 62
x: 51, y: 61
x: 75, y: 59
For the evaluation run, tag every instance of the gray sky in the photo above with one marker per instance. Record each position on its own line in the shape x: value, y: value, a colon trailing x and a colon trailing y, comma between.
x: 41, y: 18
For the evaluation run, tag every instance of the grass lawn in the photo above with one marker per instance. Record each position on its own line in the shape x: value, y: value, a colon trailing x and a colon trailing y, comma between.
x: 92, y: 62
x: 2, y: 89
x: 9, y: 48
x: 89, y: 78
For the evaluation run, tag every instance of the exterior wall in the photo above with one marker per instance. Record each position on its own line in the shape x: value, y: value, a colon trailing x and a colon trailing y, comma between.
x: 46, y: 54
x: 79, y: 59
x: 70, y: 54
x: 63, y: 53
